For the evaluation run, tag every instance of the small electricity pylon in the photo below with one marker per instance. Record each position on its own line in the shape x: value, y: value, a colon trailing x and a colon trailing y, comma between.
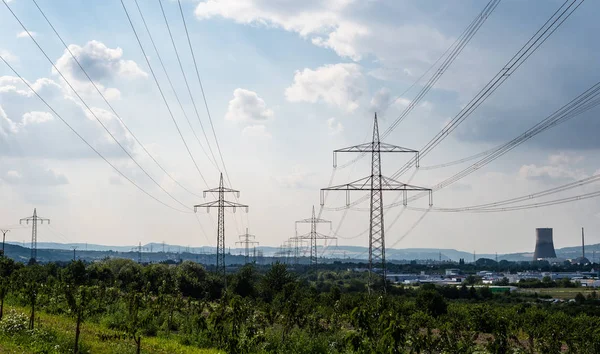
x: 246, y: 240
x: 4, y: 232
x: 376, y: 183
x: 313, y: 235
x: 221, y: 204
x: 34, y: 220
x: 297, y: 244
x: 139, y: 250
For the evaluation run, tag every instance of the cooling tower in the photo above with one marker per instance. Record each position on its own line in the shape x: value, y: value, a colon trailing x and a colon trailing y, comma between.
x: 544, y: 246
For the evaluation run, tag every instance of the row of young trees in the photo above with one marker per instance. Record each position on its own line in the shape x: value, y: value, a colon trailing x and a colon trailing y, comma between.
x: 279, y: 311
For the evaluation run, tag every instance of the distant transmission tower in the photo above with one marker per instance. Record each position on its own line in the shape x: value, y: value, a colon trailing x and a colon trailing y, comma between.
x: 34, y: 220
x: 4, y: 232
x: 247, y: 240
x: 221, y: 204
x: 376, y: 183
x: 313, y: 235
x: 296, y: 243
x: 139, y: 250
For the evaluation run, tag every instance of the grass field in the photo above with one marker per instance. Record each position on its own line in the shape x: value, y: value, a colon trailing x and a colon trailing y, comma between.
x: 54, y: 334
x: 559, y: 293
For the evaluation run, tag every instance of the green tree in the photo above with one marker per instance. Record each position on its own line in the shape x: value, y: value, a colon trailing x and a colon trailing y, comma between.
x: 431, y: 302
x: 30, y: 280
x: 275, y: 280
x: 79, y: 295
x: 7, y: 267
x: 244, y: 281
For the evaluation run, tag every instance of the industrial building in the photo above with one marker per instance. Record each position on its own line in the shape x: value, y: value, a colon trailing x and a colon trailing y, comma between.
x: 544, y: 244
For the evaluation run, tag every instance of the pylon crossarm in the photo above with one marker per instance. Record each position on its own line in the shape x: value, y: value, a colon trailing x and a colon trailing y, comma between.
x: 310, y: 221
x: 220, y: 190
x: 392, y: 185
x: 358, y: 185
x: 369, y: 147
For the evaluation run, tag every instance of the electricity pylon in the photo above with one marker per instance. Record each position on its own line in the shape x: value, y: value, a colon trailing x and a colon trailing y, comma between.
x: 34, y: 220
x: 313, y: 235
x: 139, y: 250
x: 221, y: 204
x: 246, y: 240
x: 4, y: 232
x: 296, y: 243
x: 376, y: 183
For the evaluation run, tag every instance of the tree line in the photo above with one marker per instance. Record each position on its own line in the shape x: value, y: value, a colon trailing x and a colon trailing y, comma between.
x: 276, y: 310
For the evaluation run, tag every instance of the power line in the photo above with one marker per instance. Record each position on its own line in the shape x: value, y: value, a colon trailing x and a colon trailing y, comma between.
x: 206, y: 105
x: 85, y: 141
x: 162, y: 93
x: 580, y: 104
x: 186, y: 84
x: 524, y: 206
x: 90, y: 109
x: 547, y: 29
x: 169, y: 80
x: 108, y: 103
x: 455, y: 49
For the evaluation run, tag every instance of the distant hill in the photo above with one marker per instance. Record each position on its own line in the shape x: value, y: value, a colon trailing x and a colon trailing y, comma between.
x: 53, y: 251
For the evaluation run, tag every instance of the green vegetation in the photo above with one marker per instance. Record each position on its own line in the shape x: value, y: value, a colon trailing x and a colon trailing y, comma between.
x: 118, y: 306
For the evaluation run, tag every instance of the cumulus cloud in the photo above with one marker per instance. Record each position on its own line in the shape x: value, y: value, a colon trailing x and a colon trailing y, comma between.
x: 36, y: 117
x: 8, y: 56
x: 381, y: 100
x: 34, y: 175
x: 560, y: 167
x: 334, y: 126
x: 298, y: 178
x: 26, y: 124
x: 101, y: 63
x: 340, y: 85
x: 247, y: 107
x: 256, y: 131
x: 341, y: 27
x: 25, y: 34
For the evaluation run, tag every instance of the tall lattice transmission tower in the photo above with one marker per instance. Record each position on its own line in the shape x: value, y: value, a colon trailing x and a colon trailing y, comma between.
x: 376, y: 184
x: 34, y: 221
x: 247, y: 240
x: 313, y: 235
x: 221, y: 204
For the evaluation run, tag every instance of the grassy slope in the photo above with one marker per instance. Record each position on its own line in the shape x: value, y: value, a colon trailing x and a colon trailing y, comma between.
x: 64, y: 328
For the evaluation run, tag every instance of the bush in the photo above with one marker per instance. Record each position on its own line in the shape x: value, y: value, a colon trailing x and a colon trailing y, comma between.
x: 13, y: 323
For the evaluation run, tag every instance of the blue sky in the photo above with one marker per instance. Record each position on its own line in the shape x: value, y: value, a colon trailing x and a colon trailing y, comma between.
x: 287, y: 82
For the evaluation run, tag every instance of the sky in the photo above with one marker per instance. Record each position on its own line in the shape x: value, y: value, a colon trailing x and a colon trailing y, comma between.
x: 286, y: 82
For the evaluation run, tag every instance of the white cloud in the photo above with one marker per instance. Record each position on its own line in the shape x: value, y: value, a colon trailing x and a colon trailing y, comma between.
x: 36, y: 117
x: 247, y: 107
x: 402, y: 102
x: 338, y: 25
x: 340, y: 85
x: 298, y: 178
x: 8, y: 56
x: 32, y: 174
x: 334, y: 126
x: 564, y: 158
x: 560, y: 166
x: 25, y: 123
x: 256, y: 131
x: 381, y: 100
x: 101, y: 63
x: 25, y: 34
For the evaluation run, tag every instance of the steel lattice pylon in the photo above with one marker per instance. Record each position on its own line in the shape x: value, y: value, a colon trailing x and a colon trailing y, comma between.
x: 376, y: 183
x: 34, y: 221
x: 313, y: 235
x: 220, y: 204
x: 246, y: 240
